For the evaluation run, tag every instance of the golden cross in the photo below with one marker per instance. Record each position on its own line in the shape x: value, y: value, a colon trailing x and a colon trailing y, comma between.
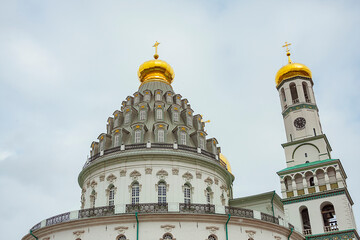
x: 287, y: 50
x: 156, y: 46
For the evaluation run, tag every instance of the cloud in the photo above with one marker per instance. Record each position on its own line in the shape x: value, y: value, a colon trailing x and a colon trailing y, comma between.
x: 4, y: 155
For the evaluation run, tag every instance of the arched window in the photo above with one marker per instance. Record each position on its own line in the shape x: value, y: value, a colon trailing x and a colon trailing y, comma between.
x: 329, y: 217
x: 306, y: 92
x: 121, y: 237
x: 127, y: 118
x: 147, y: 97
x: 111, y: 195
x: 137, y: 136
x: 332, y: 175
x: 320, y: 177
x: 135, y: 190
x: 169, y: 98
x: 175, y: 116
x: 283, y: 97
x: 159, y: 114
x: 187, y: 193
x: 288, y: 183
x: 305, y: 220
x: 212, y: 237
x: 92, y: 199
x: 309, y: 179
x: 142, y: 115
x: 161, y: 135
x: 189, y: 120
x: 167, y: 236
x: 294, y: 94
x: 117, y: 140
x: 208, y: 195
x: 162, y: 192
x: 157, y: 97
x: 137, y: 100
x: 182, y: 138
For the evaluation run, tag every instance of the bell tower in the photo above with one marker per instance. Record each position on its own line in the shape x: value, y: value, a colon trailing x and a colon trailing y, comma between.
x: 313, y: 185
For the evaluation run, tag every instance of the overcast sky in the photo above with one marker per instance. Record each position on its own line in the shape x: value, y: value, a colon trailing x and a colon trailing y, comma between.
x: 65, y: 66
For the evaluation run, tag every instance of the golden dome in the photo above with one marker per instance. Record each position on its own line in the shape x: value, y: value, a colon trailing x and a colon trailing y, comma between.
x: 292, y: 70
x: 156, y: 70
x: 223, y: 160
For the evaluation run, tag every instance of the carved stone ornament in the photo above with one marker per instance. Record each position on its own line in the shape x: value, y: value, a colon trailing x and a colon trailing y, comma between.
x: 250, y: 233
x: 122, y: 173
x: 167, y: 227
x: 135, y: 175
x: 162, y: 174
x: 198, y: 175
x: 78, y: 233
x: 223, y: 188
x: 187, y: 176
x: 208, y: 181
x: 148, y: 170
x: 111, y: 178
x: 102, y: 177
x: 83, y: 190
x: 172, y: 237
x: 175, y: 171
x: 216, y: 181
x: 212, y: 229
x: 46, y: 238
x: 277, y: 237
x: 93, y: 184
x: 121, y: 229
x: 88, y: 184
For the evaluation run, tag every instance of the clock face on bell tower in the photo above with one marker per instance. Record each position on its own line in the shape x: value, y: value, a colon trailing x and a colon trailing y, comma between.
x: 299, y: 123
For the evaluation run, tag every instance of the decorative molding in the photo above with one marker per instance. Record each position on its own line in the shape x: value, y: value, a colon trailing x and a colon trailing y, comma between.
x: 301, y: 106
x: 162, y: 174
x: 223, y: 188
x: 212, y: 229
x: 209, y: 181
x: 250, y: 233
x: 78, y: 233
x: 289, y: 201
x: 93, y: 184
x: 46, y: 238
x: 135, y: 174
x: 277, y: 237
x: 167, y: 227
x: 198, y: 175
x: 148, y: 170
x: 122, y: 173
x: 111, y: 178
x: 102, y: 177
x: 187, y: 176
x: 88, y: 184
x: 216, y: 181
x: 121, y: 229
x: 175, y: 171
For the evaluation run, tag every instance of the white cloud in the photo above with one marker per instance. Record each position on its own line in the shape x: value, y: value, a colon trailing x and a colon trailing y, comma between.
x: 4, y: 155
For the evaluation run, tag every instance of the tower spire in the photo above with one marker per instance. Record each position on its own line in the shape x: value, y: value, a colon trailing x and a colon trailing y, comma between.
x: 287, y: 51
x: 156, y: 55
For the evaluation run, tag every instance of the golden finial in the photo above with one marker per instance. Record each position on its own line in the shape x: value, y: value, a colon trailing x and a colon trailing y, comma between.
x: 156, y: 55
x: 287, y: 50
x: 203, y: 120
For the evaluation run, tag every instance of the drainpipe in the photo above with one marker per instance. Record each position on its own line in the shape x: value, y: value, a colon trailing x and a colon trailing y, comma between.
x: 33, y: 235
x: 137, y: 226
x: 227, y: 238
x: 272, y: 204
x: 292, y: 229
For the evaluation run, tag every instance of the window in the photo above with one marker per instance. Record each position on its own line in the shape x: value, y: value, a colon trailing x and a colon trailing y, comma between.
x: 122, y: 237
x: 212, y: 237
x: 309, y: 179
x: 320, y: 177
x: 187, y: 194
x: 161, y: 135
x: 314, y: 131
x: 294, y: 94
x: 329, y: 217
x: 92, y: 199
x: 283, y: 95
x: 201, y: 143
x: 116, y: 140
x: 175, y: 116
x: 332, y: 175
x: 306, y: 221
x: 290, y: 138
x: 142, y: 114
x: 299, y: 182
x: 135, y: 193
x: 161, y: 192
x: 147, y: 97
x: 306, y: 92
x: 159, y: 114
x: 111, y: 195
x: 288, y: 183
x: 189, y: 120
x: 169, y: 98
x: 183, y: 138
x: 127, y: 118
x: 157, y: 97
x: 208, y: 195
x: 167, y: 236
x: 137, y: 136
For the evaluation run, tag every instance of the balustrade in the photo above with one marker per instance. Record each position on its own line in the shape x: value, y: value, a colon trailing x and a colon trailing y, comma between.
x: 307, y: 232
x: 197, y: 208
x: 332, y: 227
x: 58, y: 219
x: 240, y: 212
x: 269, y: 218
x: 147, y: 208
x: 95, y: 212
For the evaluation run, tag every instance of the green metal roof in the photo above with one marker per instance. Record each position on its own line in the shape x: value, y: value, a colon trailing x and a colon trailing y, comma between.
x: 306, y: 165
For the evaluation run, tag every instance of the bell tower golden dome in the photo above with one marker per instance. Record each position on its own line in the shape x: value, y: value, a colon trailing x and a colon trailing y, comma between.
x: 291, y: 69
x: 156, y: 70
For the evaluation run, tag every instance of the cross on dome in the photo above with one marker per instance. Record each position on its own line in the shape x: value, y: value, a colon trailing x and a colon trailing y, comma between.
x: 287, y: 50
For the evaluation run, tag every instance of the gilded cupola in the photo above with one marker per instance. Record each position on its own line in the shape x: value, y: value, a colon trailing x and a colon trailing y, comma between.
x: 291, y: 69
x: 156, y: 70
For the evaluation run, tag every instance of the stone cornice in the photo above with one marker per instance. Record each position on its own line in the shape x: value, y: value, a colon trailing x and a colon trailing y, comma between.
x: 307, y: 140
x: 294, y: 78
